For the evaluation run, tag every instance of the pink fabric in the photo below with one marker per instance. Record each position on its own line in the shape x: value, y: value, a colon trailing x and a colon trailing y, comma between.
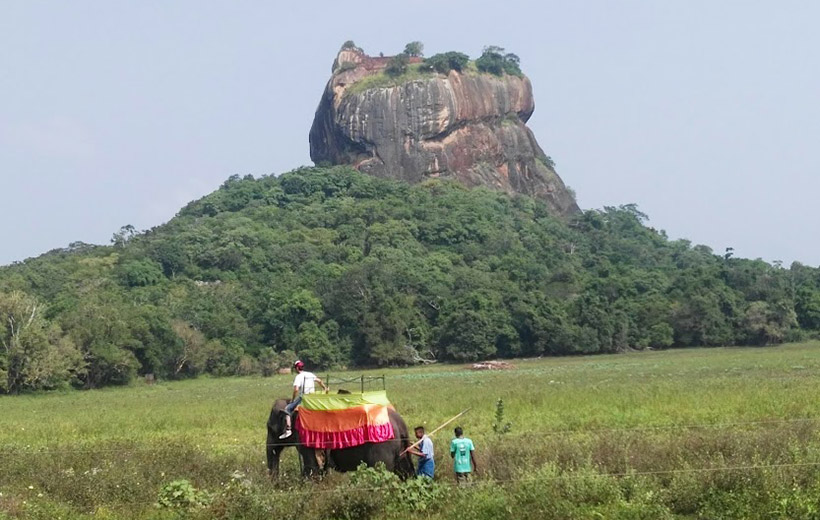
x: 345, y: 439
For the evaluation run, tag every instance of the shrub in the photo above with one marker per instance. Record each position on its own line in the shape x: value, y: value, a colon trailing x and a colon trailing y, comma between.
x: 500, y: 426
x: 351, y: 45
x: 512, y: 64
x: 181, y: 494
x: 271, y: 361
x: 247, y: 366
x: 398, y: 65
x: 374, y: 492
x: 491, y: 61
x: 547, y: 161
x: 419, y: 494
x: 443, y: 63
x: 494, y: 61
x: 363, y: 496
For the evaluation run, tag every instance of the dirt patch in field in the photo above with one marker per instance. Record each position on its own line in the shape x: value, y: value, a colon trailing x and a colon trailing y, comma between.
x: 492, y: 365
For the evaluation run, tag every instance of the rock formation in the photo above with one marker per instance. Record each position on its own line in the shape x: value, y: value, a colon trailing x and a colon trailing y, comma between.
x: 466, y: 126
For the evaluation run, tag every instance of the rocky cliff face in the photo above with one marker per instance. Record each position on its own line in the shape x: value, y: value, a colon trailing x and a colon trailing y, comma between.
x: 464, y: 126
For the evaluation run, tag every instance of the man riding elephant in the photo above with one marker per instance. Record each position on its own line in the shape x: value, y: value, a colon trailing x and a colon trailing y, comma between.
x: 304, y: 383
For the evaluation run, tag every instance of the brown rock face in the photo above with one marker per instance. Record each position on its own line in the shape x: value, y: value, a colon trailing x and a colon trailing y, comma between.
x: 464, y: 126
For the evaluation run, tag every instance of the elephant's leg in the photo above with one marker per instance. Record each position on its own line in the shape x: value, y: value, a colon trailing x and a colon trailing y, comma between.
x: 310, y: 466
x: 273, y: 453
x: 273, y: 465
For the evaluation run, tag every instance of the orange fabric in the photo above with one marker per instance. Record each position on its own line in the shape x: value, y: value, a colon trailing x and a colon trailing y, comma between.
x: 330, y: 421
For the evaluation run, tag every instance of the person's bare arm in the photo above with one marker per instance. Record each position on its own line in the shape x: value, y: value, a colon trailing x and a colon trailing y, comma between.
x: 295, y: 393
x: 324, y: 386
x: 415, y: 451
x: 472, y: 459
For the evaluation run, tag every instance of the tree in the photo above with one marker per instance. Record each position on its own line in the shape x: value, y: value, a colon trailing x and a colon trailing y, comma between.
x: 35, y: 354
x: 271, y: 361
x: 807, y: 307
x: 414, y: 49
x: 192, y: 356
x: 313, y: 345
x: 350, y: 45
x: 397, y: 65
x: 123, y: 236
x: 140, y: 272
x: 700, y: 320
x: 99, y: 327
x: 512, y: 64
x: 445, y: 62
x: 286, y: 314
x: 495, y: 61
x: 171, y: 256
x: 766, y: 323
x: 491, y: 60
x: 477, y: 326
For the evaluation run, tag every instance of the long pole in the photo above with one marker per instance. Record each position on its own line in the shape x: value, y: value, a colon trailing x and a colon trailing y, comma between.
x: 434, y: 431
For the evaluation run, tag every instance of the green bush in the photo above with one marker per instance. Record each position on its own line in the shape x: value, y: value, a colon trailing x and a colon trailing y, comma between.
x: 181, y: 494
x: 140, y: 273
x: 443, y: 63
x: 495, y: 61
x: 419, y: 494
x: 397, y: 65
x: 374, y: 492
x: 350, y: 45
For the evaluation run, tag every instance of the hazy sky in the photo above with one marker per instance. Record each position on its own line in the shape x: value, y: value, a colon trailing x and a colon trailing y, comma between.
x: 704, y: 113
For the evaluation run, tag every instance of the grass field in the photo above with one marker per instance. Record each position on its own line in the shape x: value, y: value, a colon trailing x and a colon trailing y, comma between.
x: 706, y: 433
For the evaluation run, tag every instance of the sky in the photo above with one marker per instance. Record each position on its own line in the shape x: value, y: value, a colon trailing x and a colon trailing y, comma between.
x: 703, y: 113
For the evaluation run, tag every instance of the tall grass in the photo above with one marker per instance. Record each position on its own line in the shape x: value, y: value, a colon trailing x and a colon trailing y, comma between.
x: 717, y: 433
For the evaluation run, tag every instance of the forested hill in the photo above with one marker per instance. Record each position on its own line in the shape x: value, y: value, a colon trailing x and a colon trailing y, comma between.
x: 340, y: 268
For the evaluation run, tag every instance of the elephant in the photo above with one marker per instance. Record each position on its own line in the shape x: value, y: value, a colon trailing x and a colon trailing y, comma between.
x: 391, y: 453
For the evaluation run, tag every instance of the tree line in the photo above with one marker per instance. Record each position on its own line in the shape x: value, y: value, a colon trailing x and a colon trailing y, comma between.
x: 340, y: 268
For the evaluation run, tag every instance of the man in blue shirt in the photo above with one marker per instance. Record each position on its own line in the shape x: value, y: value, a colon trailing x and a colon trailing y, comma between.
x: 427, y: 466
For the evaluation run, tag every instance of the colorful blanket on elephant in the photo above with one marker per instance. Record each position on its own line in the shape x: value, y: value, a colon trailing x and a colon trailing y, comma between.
x: 336, y: 421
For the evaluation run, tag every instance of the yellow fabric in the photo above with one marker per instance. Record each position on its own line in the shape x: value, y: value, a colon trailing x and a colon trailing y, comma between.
x: 326, y: 402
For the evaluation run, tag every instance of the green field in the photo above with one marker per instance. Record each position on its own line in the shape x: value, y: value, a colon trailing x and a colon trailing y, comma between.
x: 706, y: 433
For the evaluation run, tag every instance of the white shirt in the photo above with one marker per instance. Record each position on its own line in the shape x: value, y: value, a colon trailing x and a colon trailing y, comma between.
x: 304, y: 382
x: 426, y: 447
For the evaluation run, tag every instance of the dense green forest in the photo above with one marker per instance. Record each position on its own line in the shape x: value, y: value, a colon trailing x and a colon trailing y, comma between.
x: 340, y: 268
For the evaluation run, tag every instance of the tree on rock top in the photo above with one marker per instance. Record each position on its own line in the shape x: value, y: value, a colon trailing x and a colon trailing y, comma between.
x: 495, y: 61
x: 444, y: 62
x: 397, y: 65
x: 414, y: 49
x: 351, y: 45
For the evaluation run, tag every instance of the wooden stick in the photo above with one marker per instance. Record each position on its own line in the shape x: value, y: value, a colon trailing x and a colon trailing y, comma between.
x: 434, y: 431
